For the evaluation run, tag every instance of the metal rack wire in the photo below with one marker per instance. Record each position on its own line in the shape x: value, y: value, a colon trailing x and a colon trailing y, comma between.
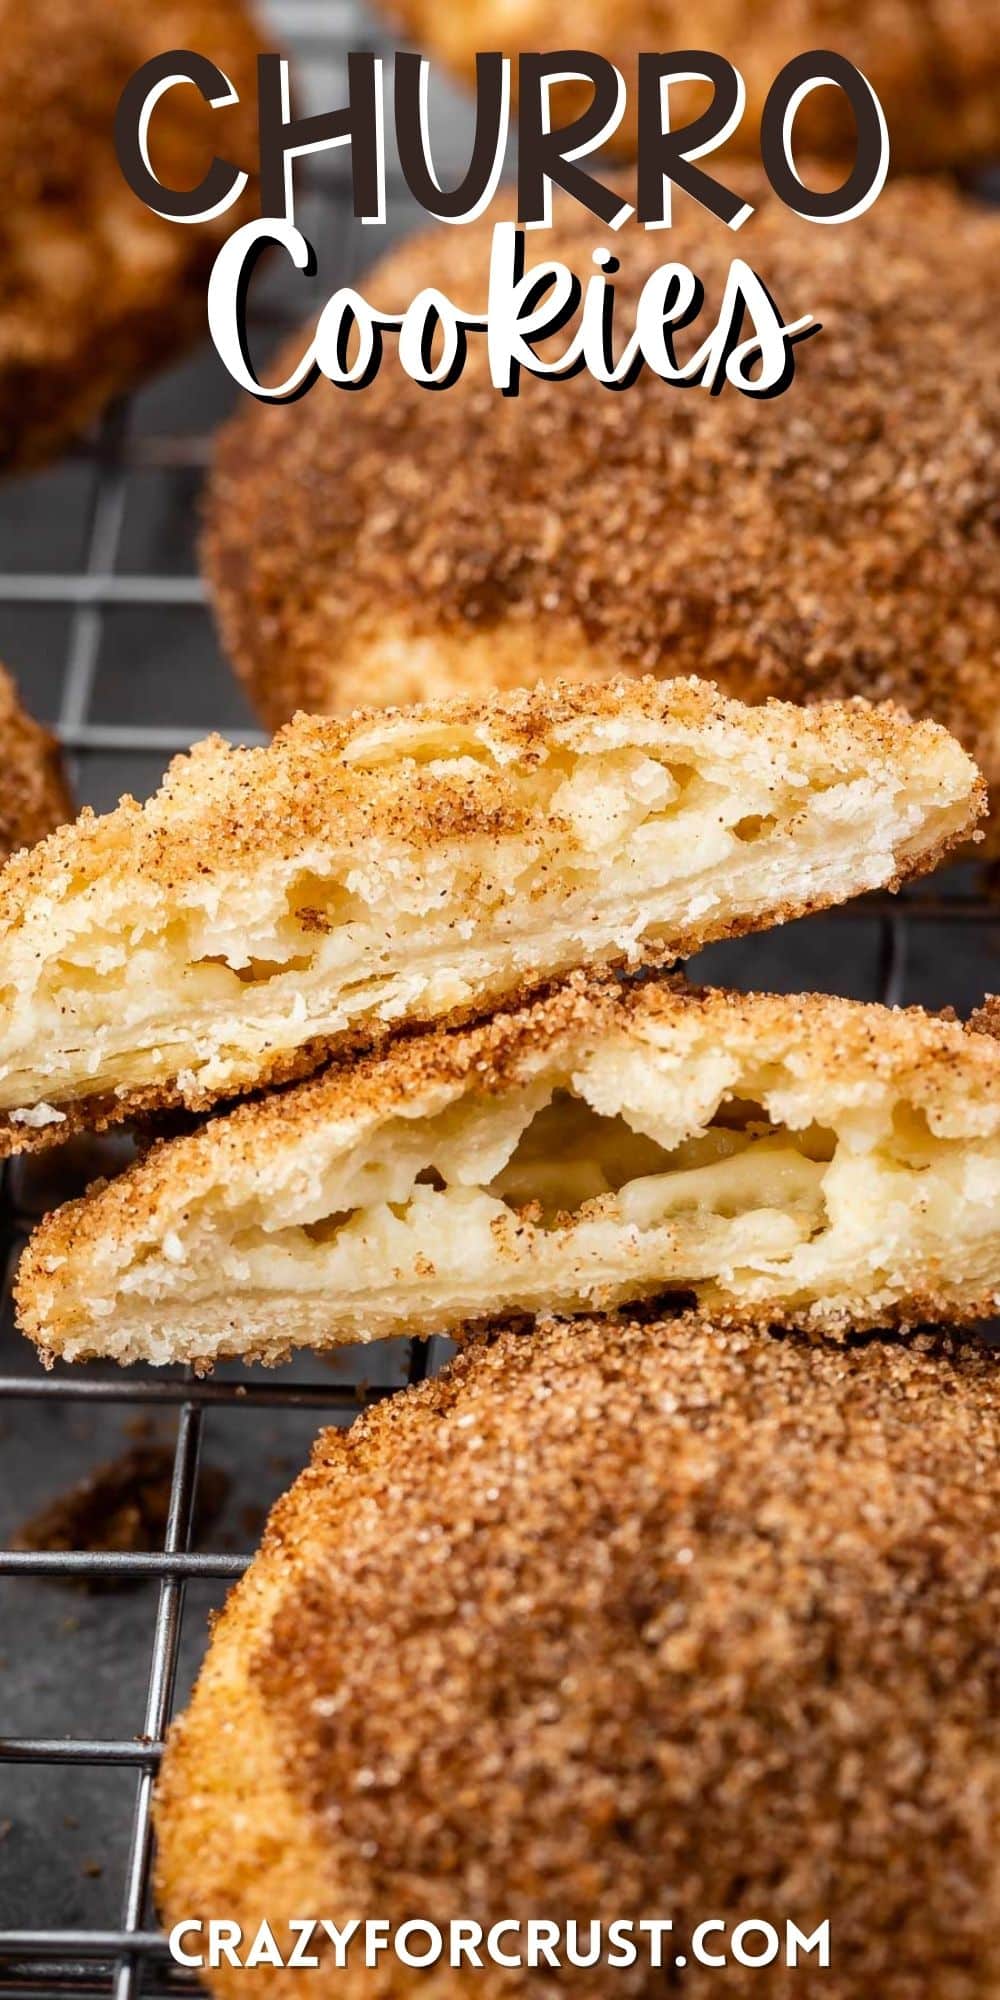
x: 129, y: 1959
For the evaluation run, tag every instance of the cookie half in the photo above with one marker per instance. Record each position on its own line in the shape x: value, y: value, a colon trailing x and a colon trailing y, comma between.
x: 798, y: 1160
x: 840, y: 540
x: 34, y: 798
x: 269, y: 907
x: 95, y: 290
x: 619, y: 1622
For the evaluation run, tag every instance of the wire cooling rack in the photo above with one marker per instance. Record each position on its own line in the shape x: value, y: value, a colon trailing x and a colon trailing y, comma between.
x: 102, y: 572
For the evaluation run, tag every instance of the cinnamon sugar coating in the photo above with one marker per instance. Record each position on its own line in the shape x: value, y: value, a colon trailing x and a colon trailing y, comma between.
x: 839, y: 540
x: 34, y: 798
x: 219, y: 807
x: 935, y: 64
x: 95, y: 290
x: 621, y: 1620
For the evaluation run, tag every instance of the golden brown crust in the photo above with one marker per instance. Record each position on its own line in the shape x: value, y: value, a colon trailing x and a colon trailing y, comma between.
x: 97, y: 291
x: 935, y: 1066
x: 986, y: 1019
x: 621, y: 1619
x: 839, y: 541
x: 34, y: 798
x: 934, y: 63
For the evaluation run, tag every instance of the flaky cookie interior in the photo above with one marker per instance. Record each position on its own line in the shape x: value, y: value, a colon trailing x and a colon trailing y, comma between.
x: 800, y: 1160
x: 268, y: 907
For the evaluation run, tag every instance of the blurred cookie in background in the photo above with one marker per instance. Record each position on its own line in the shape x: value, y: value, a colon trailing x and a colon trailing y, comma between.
x: 935, y: 64
x: 34, y: 798
x: 95, y: 290
x: 839, y: 540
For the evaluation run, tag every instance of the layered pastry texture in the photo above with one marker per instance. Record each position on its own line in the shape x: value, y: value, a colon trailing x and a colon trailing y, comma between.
x: 798, y: 1160
x: 935, y: 64
x: 841, y: 540
x: 620, y: 1621
x: 95, y: 290
x: 269, y: 906
x: 34, y: 797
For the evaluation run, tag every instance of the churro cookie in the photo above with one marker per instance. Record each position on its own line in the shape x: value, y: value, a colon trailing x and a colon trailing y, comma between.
x: 33, y: 794
x: 840, y: 540
x: 619, y: 1622
x: 95, y: 290
x: 799, y: 1160
x: 270, y: 906
x: 934, y: 63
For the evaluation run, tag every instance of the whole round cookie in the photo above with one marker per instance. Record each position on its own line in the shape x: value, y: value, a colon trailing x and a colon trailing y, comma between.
x: 934, y: 63
x: 619, y: 1622
x: 34, y: 799
x: 838, y: 540
x: 95, y: 290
